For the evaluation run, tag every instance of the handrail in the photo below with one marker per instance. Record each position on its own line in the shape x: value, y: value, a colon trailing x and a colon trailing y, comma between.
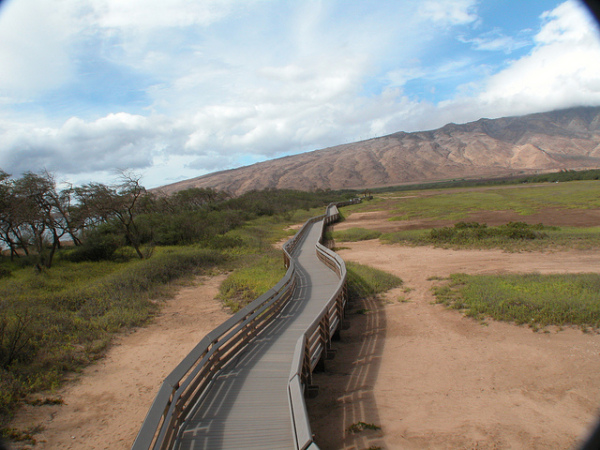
x: 312, y: 344
x: 189, y: 381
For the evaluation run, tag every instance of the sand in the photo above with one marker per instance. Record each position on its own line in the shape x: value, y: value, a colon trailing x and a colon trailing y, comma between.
x: 432, y: 378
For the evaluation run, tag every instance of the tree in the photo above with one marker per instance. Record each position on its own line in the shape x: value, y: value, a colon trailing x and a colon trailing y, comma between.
x: 65, y: 220
x: 8, y: 224
x: 33, y: 197
x: 99, y: 203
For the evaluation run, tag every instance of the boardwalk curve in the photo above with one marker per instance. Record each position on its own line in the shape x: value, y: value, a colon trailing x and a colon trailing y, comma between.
x: 242, y: 386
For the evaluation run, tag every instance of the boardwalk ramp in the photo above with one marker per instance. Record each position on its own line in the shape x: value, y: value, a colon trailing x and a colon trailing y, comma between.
x: 242, y: 386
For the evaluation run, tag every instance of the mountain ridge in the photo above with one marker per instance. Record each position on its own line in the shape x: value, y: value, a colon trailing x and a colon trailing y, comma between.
x: 567, y: 139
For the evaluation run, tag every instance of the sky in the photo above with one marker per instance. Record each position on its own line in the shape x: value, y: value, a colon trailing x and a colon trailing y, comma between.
x: 174, y: 89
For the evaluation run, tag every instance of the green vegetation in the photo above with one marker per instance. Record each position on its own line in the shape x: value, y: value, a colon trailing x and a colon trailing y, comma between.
x: 61, y: 319
x: 253, y: 279
x: 512, y: 237
x: 361, y: 426
x: 534, y: 299
x: 458, y: 204
x: 355, y: 234
x: 365, y: 281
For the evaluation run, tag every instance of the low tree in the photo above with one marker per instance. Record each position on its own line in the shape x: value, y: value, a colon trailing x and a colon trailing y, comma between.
x: 8, y: 223
x: 34, y: 206
x: 99, y: 203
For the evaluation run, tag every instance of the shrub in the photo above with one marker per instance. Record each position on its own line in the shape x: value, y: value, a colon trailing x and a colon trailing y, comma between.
x: 365, y: 281
x: 533, y: 299
x: 99, y: 244
x: 246, y: 284
x: 472, y: 232
x: 356, y: 234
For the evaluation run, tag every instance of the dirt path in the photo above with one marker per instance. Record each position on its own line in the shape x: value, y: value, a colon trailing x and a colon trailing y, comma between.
x: 106, y: 406
x: 434, y: 379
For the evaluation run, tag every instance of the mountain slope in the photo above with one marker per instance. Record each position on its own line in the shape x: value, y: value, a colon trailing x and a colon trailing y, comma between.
x: 564, y: 139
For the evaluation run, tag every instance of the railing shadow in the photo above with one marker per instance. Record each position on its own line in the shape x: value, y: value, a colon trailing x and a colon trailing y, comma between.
x: 345, y: 396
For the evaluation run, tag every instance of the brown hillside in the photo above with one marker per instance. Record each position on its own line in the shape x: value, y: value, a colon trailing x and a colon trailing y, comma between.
x: 565, y: 139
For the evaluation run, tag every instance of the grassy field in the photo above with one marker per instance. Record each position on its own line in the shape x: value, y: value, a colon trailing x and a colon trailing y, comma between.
x: 60, y: 320
x: 457, y: 204
x: 365, y: 281
x: 532, y: 299
x: 254, y: 277
x: 355, y: 235
x: 542, y: 238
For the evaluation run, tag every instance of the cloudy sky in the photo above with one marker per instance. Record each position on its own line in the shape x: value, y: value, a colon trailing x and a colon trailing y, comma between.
x: 174, y: 89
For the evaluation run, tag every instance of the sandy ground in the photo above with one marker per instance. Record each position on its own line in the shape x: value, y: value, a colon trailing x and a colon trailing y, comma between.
x: 106, y: 405
x: 429, y: 377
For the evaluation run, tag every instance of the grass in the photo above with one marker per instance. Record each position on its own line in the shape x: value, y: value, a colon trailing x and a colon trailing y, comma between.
x: 361, y: 426
x: 355, y: 235
x: 457, y: 204
x: 259, y: 266
x: 365, y: 281
x: 533, y: 299
x: 515, y: 236
x: 61, y: 319
x: 259, y: 234
x: 255, y: 277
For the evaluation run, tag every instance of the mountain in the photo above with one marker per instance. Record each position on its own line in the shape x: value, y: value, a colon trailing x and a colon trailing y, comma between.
x: 544, y: 142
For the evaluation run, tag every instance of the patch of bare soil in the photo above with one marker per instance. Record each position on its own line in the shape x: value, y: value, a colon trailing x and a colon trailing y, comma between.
x: 432, y: 378
x: 106, y: 405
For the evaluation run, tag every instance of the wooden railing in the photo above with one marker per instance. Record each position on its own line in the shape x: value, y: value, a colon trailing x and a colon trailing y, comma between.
x: 312, y: 347
x: 190, y: 380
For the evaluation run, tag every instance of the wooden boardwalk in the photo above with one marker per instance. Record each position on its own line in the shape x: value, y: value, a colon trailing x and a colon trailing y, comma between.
x: 248, y: 404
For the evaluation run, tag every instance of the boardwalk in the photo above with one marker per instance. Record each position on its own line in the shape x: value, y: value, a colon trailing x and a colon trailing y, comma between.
x: 248, y: 404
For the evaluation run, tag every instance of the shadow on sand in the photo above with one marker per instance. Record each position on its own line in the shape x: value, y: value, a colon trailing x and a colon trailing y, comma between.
x: 345, y: 396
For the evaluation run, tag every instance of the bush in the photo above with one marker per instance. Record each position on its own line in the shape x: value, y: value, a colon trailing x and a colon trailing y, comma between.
x: 62, y: 319
x: 365, y: 281
x: 534, y: 299
x: 472, y: 232
x: 356, y: 234
x: 100, y: 244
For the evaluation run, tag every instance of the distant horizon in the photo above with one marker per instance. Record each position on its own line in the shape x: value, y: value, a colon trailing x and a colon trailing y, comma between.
x: 177, y: 90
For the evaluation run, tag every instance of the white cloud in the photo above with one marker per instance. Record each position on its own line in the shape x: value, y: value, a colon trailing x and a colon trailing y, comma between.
x: 152, y: 15
x: 562, y: 70
x: 495, y: 41
x: 112, y: 142
x: 568, y: 22
x: 450, y: 12
x: 34, y: 52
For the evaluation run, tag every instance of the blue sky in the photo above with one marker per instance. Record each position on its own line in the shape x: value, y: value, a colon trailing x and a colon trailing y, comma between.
x: 173, y: 89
